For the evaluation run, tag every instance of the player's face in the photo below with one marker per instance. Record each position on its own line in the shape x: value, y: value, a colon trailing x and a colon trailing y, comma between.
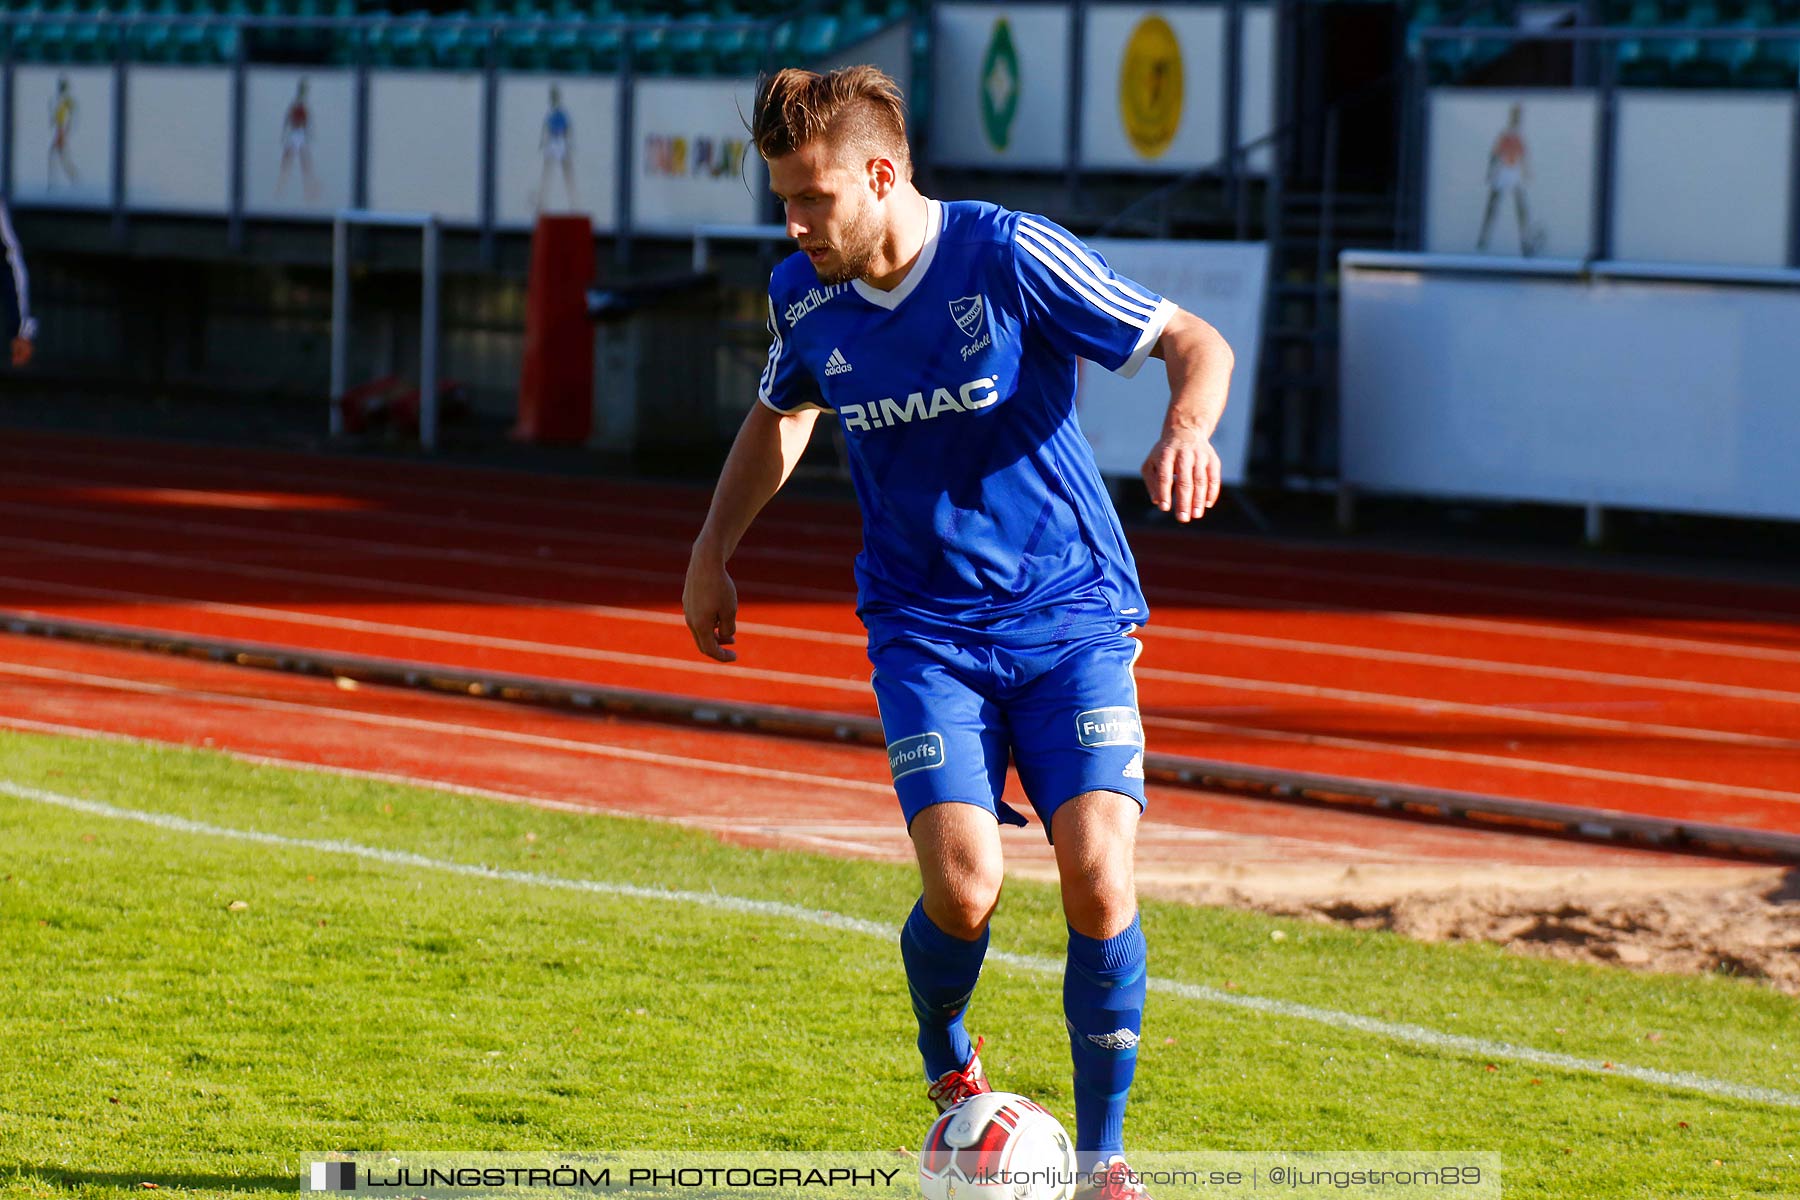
x: 831, y: 212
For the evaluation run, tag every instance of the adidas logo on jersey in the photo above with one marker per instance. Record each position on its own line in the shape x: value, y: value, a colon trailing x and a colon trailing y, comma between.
x: 837, y: 364
x: 972, y: 396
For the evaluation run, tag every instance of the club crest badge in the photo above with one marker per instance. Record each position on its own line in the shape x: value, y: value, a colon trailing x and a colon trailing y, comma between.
x: 969, y: 312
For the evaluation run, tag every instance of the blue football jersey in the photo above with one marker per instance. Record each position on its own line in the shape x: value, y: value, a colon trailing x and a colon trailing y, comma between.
x: 984, y: 515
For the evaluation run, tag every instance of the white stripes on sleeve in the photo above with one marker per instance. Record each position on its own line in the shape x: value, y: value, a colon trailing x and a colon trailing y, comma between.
x: 765, y: 386
x: 1069, y: 262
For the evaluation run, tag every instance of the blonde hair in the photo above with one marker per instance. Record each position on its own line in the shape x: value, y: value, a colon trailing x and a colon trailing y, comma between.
x: 853, y: 108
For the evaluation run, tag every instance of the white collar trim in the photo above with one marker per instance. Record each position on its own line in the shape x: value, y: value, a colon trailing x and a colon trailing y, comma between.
x: 934, y: 221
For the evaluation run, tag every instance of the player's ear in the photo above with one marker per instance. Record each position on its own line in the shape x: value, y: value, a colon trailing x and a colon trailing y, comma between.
x: 883, y: 176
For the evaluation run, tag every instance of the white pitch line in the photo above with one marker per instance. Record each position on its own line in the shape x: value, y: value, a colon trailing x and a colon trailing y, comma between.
x: 1416, y: 1035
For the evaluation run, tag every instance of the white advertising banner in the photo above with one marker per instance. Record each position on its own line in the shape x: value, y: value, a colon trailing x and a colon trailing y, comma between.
x: 1001, y: 85
x: 694, y: 163
x: 1703, y: 177
x: 1153, y: 95
x: 62, y: 129
x: 1570, y: 388
x: 178, y: 139
x: 1510, y: 172
x: 1223, y: 282
x: 557, y: 149
x: 425, y: 143
x: 299, y: 141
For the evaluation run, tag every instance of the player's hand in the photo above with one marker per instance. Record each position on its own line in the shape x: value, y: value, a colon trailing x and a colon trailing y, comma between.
x: 1183, y: 474
x: 709, y: 600
x: 21, y: 351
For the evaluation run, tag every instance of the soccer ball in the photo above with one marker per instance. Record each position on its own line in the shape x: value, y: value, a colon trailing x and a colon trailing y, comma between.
x: 997, y: 1146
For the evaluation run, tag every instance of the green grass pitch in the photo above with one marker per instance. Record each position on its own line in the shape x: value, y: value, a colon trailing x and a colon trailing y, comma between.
x: 201, y: 1011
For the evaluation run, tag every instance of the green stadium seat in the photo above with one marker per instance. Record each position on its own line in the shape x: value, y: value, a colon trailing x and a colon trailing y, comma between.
x: 689, y: 47
x: 736, y: 50
x: 1644, y: 62
x: 459, y: 44
x: 605, y: 48
x: 650, y: 45
x: 523, y: 47
x: 817, y: 35
x: 1771, y: 65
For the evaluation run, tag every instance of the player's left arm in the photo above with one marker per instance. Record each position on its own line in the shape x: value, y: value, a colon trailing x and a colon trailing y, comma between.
x: 1182, y: 470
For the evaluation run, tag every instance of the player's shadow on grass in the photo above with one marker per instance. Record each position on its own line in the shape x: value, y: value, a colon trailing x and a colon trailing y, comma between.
x: 59, y: 1176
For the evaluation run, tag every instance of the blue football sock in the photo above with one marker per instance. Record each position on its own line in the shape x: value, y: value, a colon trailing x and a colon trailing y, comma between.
x: 940, y: 972
x: 1103, y: 1003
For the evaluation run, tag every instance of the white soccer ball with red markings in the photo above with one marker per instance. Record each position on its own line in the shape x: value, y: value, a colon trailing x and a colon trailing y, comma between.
x: 997, y: 1146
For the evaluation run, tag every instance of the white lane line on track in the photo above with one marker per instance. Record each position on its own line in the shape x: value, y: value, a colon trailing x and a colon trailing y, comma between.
x: 445, y: 636
x: 1420, y: 704
x: 1406, y: 1033
x: 450, y: 728
x: 1471, y: 758
x: 1148, y: 554
x: 1186, y: 724
x: 392, y: 550
x: 1160, y: 595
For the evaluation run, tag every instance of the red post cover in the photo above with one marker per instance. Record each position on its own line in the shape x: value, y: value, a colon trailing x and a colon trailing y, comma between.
x: 556, y: 379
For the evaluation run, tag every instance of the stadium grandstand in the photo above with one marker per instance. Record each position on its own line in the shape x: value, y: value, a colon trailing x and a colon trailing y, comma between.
x: 177, y: 166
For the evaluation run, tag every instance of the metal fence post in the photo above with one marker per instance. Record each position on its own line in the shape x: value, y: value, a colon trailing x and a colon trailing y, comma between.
x: 340, y: 320
x: 359, y: 133
x: 234, y: 228
x: 1606, y: 154
x: 1077, y: 97
x: 1793, y: 182
x: 119, y: 133
x: 1231, y: 116
x: 1420, y: 103
x: 490, y: 104
x: 628, y: 163
x: 6, y: 118
x: 430, y: 286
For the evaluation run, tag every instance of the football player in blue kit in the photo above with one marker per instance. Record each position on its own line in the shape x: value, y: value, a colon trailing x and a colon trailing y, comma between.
x: 995, y: 582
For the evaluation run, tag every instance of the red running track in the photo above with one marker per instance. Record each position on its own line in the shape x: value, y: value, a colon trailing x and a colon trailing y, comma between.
x: 1644, y: 693
x: 745, y: 787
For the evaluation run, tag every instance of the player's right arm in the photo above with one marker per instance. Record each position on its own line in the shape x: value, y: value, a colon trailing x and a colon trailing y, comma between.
x: 767, y: 449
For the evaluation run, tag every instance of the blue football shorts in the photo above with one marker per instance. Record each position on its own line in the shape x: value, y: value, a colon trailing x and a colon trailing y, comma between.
x: 1065, y: 713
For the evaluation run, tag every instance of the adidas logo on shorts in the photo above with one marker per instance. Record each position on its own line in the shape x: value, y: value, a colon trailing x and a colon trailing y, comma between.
x: 1135, y: 768
x: 837, y: 364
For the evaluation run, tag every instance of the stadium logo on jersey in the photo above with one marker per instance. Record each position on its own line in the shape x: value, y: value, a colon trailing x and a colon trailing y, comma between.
x: 837, y: 364
x: 968, y: 311
x: 920, y: 753
x: 1114, y: 726
x: 814, y: 298
x: 972, y: 396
